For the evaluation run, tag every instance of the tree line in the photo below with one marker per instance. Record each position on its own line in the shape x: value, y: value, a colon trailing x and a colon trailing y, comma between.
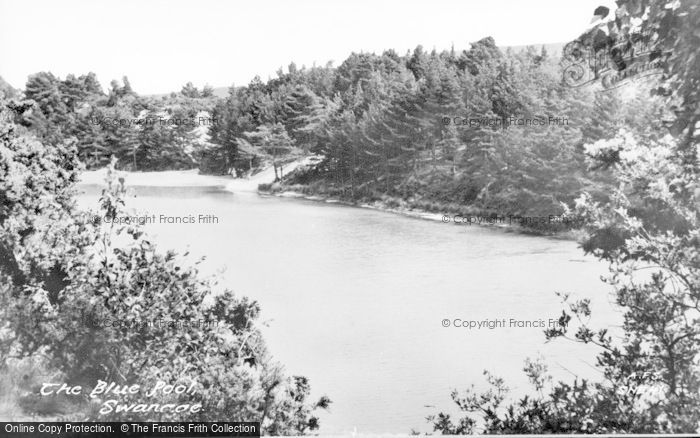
x: 426, y: 129
x: 390, y: 127
x: 384, y: 126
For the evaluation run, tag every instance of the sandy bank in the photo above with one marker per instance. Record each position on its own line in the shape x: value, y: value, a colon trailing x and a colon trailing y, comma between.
x: 192, y: 178
x: 170, y: 178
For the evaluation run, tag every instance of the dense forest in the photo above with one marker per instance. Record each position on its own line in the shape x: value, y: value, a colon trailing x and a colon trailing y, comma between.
x: 478, y: 132
x: 143, y: 133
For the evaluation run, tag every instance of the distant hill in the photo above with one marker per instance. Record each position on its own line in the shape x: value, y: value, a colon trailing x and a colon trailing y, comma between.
x: 7, y: 89
x: 221, y: 91
x: 554, y: 49
x: 218, y: 92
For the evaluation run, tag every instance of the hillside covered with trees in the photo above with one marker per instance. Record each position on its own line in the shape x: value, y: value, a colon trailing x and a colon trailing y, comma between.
x: 477, y: 132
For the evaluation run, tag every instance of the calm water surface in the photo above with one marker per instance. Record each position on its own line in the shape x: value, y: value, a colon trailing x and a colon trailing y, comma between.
x: 354, y: 298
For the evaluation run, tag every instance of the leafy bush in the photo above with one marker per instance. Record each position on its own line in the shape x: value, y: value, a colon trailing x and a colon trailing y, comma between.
x: 90, y: 297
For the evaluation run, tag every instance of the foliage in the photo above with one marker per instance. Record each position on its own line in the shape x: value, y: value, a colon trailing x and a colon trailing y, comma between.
x: 95, y: 300
x: 648, y: 230
x: 143, y: 133
x: 424, y: 127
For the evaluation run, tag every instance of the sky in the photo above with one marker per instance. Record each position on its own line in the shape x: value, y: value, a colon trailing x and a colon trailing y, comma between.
x: 161, y: 45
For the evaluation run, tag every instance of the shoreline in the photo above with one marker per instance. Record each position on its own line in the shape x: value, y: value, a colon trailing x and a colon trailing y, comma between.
x: 416, y: 213
x: 166, y: 178
x: 265, y: 177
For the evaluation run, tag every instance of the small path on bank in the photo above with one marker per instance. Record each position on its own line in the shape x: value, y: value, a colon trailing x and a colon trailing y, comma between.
x: 266, y: 176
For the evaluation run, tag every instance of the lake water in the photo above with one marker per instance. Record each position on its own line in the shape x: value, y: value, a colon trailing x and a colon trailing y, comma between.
x: 354, y: 298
